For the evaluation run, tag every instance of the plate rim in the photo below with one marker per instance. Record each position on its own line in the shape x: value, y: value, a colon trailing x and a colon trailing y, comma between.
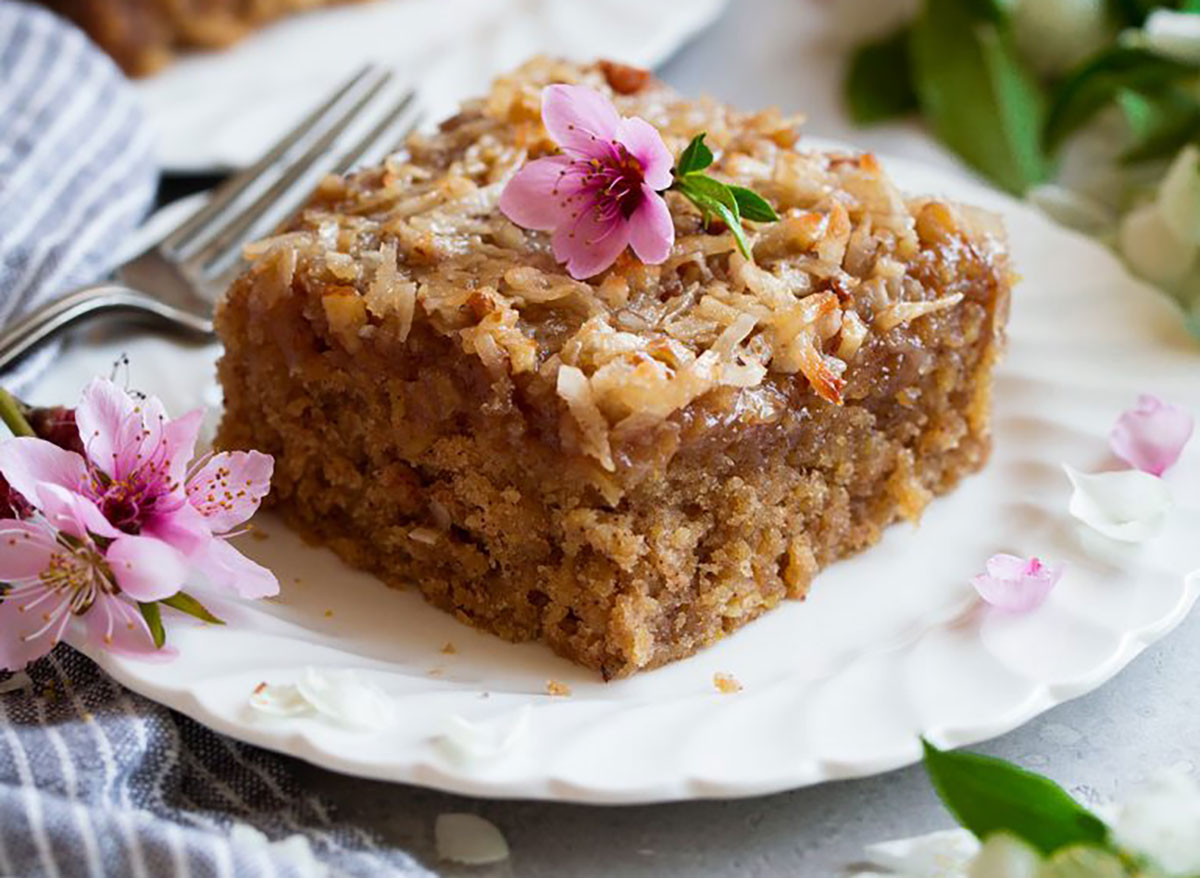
x: 419, y: 770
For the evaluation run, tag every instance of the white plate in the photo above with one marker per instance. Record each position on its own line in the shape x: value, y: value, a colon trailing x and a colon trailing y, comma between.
x: 890, y: 645
x: 215, y: 110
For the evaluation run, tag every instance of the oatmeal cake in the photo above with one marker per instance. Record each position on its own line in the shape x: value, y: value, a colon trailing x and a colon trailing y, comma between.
x: 142, y: 35
x: 631, y: 467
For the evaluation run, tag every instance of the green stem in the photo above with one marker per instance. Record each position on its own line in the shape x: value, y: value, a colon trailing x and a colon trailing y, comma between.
x: 10, y: 413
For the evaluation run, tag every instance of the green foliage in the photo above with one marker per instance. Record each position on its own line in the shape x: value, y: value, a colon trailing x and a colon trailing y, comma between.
x: 989, y: 795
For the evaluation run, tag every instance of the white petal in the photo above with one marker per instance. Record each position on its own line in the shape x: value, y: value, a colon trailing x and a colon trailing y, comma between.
x: 942, y: 854
x: 1129, y: 506
x: 1152, y: 250
x: 1162, y: 821
x: 281, y: 700
x: 469, y: 839
x: 1175, y: 34
x: 1003, y: 856
x: 348, y: 699
x: 1179, y: 195
x: 473, y: 742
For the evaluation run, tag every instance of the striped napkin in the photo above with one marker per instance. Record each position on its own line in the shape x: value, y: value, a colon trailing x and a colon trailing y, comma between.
x: 76, y: 170
x: 96, y: 781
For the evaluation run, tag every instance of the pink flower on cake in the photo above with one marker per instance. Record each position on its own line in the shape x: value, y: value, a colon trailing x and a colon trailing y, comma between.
x: 57, y: 572
x: 1014, y: 584
x: 602, y: 192
x: 134, y: 478
x: 1151, y: 435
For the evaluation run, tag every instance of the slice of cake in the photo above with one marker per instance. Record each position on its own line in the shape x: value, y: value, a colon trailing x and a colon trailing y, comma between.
x: 632, y: 466
x: 142, y: 35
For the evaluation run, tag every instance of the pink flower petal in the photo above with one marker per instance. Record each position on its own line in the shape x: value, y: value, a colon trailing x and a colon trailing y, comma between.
x: 115, y: 624
x: 184, y: 528
x: 25, y: 550
x: 589, y: 247
x: 146, y: 569
x: 535, y: 198
x: 1151, y: 435
x: 26, y: 462
x: 646, y: 145
x: 72, y: 513
x: 105, y: 417
x: 229, y: 488
x: 651, y: 230
x: 179, y: 443
x: 25, y: 635
x: 580, y: 119
x: 1014, y: 584
x: 226, y: 567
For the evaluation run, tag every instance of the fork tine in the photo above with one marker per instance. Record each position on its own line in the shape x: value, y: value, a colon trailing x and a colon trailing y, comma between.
x: 235, y: 186
x: 280, y: 199
x: 378, y: 143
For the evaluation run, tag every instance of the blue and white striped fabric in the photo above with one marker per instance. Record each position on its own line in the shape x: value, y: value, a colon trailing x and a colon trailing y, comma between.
x: 96, y: 781
x: 76, y: 166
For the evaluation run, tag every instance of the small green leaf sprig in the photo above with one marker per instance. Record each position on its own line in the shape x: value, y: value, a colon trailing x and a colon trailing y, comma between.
x: 731, y: 204
x: 989, y: 796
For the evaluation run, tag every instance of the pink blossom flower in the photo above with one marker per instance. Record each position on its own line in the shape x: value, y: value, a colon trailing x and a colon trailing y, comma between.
x: 57, y: 572
x: 602, y: 192
x: 134, y: 474
x: 1014, y: 584
x: 1151, y: 435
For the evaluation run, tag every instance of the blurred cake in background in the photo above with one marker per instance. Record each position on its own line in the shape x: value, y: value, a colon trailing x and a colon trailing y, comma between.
x: 143, y: 35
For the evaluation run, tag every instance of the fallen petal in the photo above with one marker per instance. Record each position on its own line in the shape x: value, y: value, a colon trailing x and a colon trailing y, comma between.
x: 280, y: 700
x: 1130, y: 506
x: 1151, y: 435
x: 934, y: 854
x: 348, y: 699
x: 1016, y: 585
x: 473, y: 742
x: 469, y: 839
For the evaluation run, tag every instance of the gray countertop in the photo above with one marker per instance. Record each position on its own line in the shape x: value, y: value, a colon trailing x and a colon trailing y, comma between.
x: 769, y: 52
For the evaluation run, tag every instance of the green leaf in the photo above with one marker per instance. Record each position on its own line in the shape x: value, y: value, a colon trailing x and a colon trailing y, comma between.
x: 976, y: 94
x: 1096, y: 84
x: 696, y: 157
x: 1162, y: 123
x: 734, y: 222
x: 753, y: 206
x: 714, y: 197
x: 989, y: 795
x: 1190, y: 6
x: 153, y: 616
x: 704, y: 192
x: 879, y: 85
x: 185, y: 603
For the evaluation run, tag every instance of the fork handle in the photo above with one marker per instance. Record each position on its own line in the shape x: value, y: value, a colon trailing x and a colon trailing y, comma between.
x: 52, y: 318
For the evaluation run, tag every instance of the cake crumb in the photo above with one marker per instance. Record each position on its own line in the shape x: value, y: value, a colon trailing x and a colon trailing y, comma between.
x: 435, y: 672
x: 554, y: 687
x: 448, y: 648
x: 726, y: 684
x: 329, y: 614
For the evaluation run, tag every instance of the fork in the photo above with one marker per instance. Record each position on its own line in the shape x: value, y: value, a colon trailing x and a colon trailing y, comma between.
x: 178, y: 280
